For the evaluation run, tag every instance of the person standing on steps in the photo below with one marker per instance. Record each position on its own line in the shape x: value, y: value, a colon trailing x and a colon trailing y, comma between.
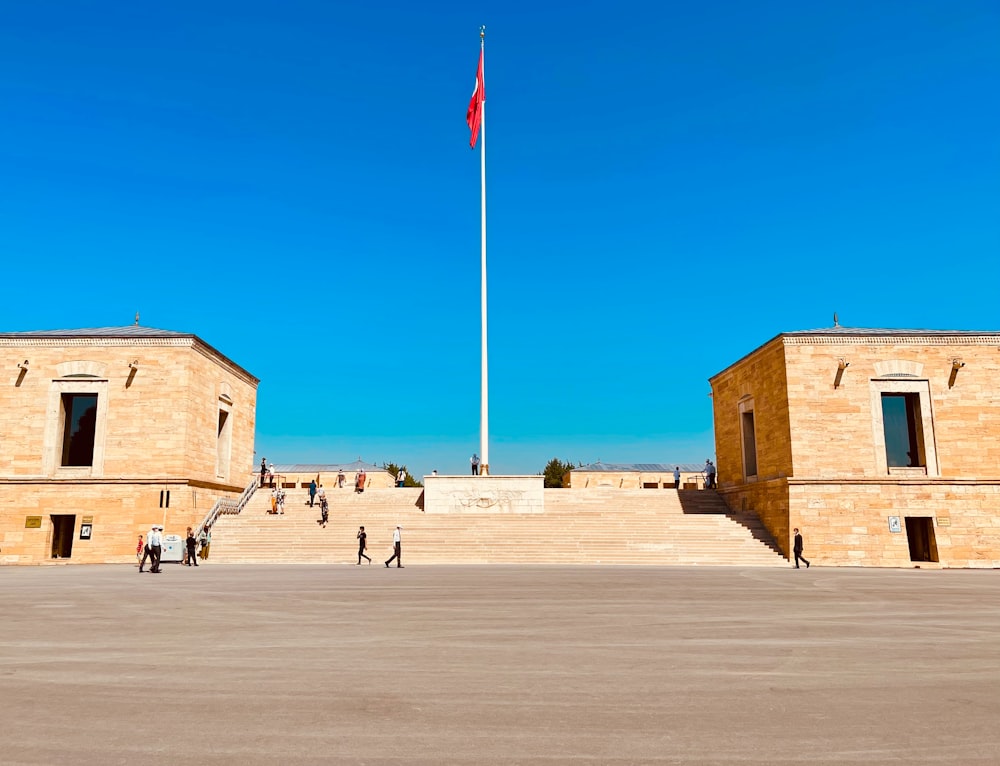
x: 677, y: 477
x: 474, y: 460
x: 797, y: 549
x: 263, y: 471
x: 397, y: 547
x: 362, y: 544
x: 401, y: 477
x: 312, y: 493
x: 709, y: 474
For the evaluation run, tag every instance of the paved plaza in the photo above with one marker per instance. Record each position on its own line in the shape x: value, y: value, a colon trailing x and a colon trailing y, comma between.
x: 498, y: 665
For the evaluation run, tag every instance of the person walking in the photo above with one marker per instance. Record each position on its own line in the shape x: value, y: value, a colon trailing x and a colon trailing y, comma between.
x: 146, y: 552
x: 324, y: 511
x: 263, y: 471
x: 192, y: 544
x: 397, y: 547
x: 474, y: 460
x: 138, y: 550
x: 359, y: 481
x: 312, y: 493
x: 155, y: 542
x: 270, y: 474
x: 677, y: 477
x: 362, y: 545
x: 797, y: 549
x: 280, y: 502
x: 340, y: 479
x: 401, y: 477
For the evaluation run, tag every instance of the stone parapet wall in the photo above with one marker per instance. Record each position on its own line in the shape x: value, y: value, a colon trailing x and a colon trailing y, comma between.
x: 633, y: 479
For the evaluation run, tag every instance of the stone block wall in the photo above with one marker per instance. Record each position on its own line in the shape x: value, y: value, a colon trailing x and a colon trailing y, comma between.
x: 847, y: 524
x: 161, y: 417
x: 121, y: 511
x: 832, y: 429
x: 759, y: 378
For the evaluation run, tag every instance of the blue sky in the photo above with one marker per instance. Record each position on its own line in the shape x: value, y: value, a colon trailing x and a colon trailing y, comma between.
x: 670, y: 185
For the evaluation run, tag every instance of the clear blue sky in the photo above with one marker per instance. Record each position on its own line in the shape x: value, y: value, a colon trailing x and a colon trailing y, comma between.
x: 670, y: 185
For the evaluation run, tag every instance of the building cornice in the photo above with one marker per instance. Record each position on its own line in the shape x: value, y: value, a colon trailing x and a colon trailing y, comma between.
x: 186, y: 341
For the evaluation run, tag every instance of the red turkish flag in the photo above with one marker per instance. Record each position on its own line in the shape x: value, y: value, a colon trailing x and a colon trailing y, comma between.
x: 474, y: 115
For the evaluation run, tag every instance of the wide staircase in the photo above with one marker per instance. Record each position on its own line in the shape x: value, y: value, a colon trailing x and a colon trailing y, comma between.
x: 646, y: 527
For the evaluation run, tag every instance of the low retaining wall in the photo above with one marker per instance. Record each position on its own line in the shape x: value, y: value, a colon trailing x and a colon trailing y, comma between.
x: 484, y: 494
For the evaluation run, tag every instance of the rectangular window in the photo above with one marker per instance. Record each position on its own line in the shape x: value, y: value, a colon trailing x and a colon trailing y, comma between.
x: 79, y: 429
x: 749, y: 443
x: 223, y: 444
x: 903, y: 430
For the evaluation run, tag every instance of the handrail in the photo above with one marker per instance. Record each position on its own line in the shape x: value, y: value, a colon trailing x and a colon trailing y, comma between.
x: 227, y: 505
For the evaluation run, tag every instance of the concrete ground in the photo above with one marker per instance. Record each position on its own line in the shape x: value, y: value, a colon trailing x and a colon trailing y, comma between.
x: 498, y: 665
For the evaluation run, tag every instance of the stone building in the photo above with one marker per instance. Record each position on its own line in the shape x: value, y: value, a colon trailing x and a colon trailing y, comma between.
x: 881, y: 446
x: 104, y: 432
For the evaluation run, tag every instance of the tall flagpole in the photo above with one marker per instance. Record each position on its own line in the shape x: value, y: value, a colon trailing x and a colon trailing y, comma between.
x: 484, y: 430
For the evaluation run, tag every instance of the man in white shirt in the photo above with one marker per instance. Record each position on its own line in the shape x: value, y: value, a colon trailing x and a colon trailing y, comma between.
x: 401, y: 477
x: 677, y: 477
x: 147, y: 551
x: 397, y: 548
x: 155, y: 541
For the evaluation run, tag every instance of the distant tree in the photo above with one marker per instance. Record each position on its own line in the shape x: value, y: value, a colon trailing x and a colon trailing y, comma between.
x: 555, y: 473
x: 394, y: 470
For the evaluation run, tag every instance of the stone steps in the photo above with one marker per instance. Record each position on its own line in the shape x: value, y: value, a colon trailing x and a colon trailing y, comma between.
x: 600, y: 527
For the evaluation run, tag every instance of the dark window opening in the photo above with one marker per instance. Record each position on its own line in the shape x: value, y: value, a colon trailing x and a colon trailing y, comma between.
x: 62, y: 535
x: 749, y: 444
x: 903, y: 430
x: 920, y: 536
x: 79, y: 429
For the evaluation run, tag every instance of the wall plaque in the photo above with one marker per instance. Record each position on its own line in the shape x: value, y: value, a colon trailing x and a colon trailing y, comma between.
x: 944, y: 521
x: 894, y: 525
x: 87, y: 520
x: 32, y: 522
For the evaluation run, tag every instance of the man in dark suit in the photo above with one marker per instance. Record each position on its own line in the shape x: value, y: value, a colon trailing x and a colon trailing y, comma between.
x: 797, y: 549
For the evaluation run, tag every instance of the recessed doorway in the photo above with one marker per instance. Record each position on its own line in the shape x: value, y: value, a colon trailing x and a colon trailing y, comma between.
x: 920, y: 535
x: 63, y: 526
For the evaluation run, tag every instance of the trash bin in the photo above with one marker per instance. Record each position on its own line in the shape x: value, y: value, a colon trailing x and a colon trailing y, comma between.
x: 173, y: 549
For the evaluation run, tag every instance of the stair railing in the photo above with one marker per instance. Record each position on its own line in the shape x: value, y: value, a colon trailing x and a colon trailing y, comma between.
x: 227, y: 505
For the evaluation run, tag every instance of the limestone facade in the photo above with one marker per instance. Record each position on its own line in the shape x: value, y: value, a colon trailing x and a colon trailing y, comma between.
x: 171, y: 430
x: 881, y: 446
